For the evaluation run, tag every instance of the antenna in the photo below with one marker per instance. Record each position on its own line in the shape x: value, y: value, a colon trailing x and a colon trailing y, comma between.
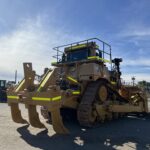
x: 15, y: 76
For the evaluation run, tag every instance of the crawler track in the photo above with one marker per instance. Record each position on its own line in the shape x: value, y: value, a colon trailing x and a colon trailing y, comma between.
x: 86, y: 106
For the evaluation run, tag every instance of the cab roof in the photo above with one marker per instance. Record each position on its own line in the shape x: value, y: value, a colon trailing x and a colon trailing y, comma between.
x: 81, y: 46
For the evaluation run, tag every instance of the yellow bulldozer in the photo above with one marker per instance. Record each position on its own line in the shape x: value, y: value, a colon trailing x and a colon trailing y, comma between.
x: 84, y: 78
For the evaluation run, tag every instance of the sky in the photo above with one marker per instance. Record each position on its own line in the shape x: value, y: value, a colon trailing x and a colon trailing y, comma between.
x: 29, y: 29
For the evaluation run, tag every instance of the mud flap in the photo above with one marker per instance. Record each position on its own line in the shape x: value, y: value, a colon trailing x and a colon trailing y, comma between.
x: 34, y: 117
x: 57, y: 122
x: 16, y: 114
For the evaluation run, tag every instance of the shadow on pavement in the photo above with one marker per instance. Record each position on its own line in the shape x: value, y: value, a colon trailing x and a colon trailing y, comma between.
x: 131, y: 132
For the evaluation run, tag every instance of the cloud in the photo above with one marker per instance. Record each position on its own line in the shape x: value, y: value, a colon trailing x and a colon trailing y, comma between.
x: 135, y: 30
x: 138, y: 67
x: 134, y: 49
x: 32, y: 41
x: 138, y: 76
x: 34, y: 38
x: 137, y: 62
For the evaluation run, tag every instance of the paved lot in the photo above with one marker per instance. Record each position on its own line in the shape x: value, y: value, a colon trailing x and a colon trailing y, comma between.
x: 126, y: 133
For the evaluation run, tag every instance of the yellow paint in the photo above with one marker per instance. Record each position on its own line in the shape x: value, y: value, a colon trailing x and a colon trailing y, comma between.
x: 72, y: 79
x: 13, y: 97
x: 77, y: 46
x: 56, y: 98
x: 76, y: 92
x: 20, y: 85
x: 44, y: 81
x: 98, y: 58
x: 53, y: 63
x: 46, y: 98
x: 112, y: 82
x: 41, y: 99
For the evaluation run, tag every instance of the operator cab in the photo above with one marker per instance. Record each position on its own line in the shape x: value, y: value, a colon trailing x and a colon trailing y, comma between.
x: 80, y: 52
x: 83, y: 51
x: 77, y: 55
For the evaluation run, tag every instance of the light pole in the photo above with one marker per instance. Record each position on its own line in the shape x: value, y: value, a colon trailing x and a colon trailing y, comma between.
x: 133, y: 80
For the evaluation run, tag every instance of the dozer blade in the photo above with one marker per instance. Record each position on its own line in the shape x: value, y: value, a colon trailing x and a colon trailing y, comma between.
x: 57, y: 122
x: 34, y: 117
x: 16, y: 114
